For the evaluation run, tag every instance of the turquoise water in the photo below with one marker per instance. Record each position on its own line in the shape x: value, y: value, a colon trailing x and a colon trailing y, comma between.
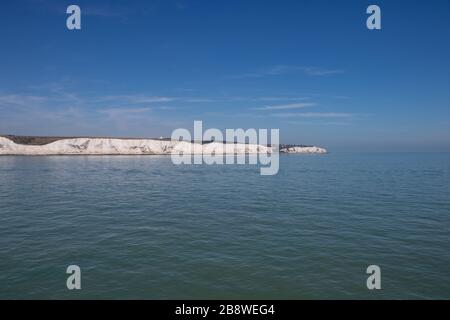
x: 140, y: 227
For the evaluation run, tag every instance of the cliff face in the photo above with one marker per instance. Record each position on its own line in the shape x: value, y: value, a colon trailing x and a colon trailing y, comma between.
x: 299, y: 149
x: 127, y: 146
x: 99, y: 146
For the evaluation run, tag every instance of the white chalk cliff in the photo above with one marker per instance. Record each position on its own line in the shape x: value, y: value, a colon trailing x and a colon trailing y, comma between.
x: 297, y: 149
x: 112, y: 146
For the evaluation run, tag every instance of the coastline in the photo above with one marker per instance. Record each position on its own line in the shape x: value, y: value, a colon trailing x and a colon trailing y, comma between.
x: 33, y: 145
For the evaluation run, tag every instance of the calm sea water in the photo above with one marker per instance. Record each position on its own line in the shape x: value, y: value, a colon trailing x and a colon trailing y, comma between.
x: 140, y: 227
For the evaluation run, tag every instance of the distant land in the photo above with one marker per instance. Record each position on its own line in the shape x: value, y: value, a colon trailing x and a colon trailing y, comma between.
x: 54, y: 145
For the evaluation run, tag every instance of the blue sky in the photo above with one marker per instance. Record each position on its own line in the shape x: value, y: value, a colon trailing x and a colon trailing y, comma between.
x: 310, y: 68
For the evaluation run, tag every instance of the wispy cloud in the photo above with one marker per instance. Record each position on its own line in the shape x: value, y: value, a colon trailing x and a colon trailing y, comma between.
x: 318, y: 123
x: 134, y: 99
x: 19, y: 100
x: 312, y: 71
x: 287, y: 106
x: 114, y: 112
x: 144, y: 99
x: 280, y: 98
x: 288, y: 69
x: 167, y: 108
x: 313, y: 115
x: 198, y: 100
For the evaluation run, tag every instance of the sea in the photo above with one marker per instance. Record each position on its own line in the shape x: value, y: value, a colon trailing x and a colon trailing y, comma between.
x: 140, y: 227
